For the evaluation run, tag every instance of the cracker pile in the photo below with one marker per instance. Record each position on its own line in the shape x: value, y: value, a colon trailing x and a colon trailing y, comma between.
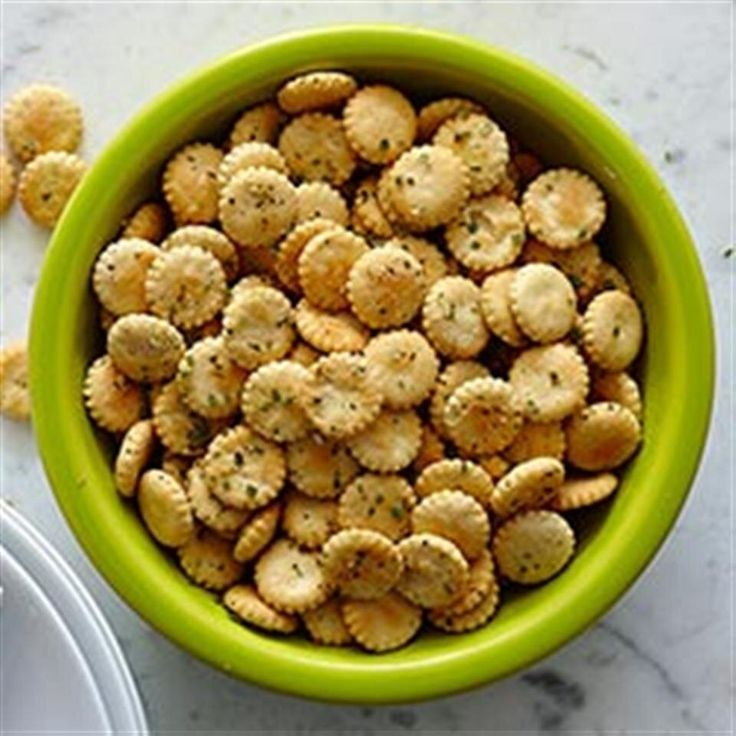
x: 377, y: 359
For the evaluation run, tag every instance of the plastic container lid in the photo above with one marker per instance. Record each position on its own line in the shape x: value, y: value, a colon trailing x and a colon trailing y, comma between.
x: 61, y: 668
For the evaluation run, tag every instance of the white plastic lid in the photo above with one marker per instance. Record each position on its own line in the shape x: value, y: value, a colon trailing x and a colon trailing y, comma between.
x: 61, y: 668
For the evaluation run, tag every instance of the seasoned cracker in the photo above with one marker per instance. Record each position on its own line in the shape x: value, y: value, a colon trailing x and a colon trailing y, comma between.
x: 456, y: 516
x: 433, y: 262
x: 178, y: 427
x: 208, y: 509
x: 434, y: 114
x: 119, y: 276
x: 257, y: 207
x: 242, y: 469
x: 480, y: 144
x: 533, y: 546
x: 257, y: 123
x: 246, y: 604
x: 324, y: 265
x: 577, y: 493
x: 563, y: 208
x: 454, y: 375
x: 551, y: 381
x: 361, y: 563
x: 145, y: 348
x: 383, y: 623
x: 318, y: 199
x: 426, y: 187
x: 618, y: 387
x: 186, y: 286
x: 209, y: 239
x: 378, y: 502
x: 403, y: 367
x: 209, y: 380
x: 113, y: 401
x: 455, y: 475
x: 309, y: 521
x: 452, y: 318
x: 316, y: 149
x: 207, y: 560
x: 165, y: 508
x: 481, y: 579
x: 47, y: 183
x: 339, y: 397
x: 15, y: 396
x: 8, y: 181
x: 495, y: 465
x: 271, y: 401
x: 388, y: 444
x: 149, y: 221
x: 602, y: 436
x: 325, y: 624
x: 582, y: 264
x: 612, y: 330
x: 319, y: 467
x: 41, y: 118
x: 134, y: 454
x: 380, y: 123
x: 329, y: 331
x: 435, y: 571
x: 366, y: 215
x: 257, y: 532
x: 483, y: 416
x: 495, y: 304
x: 290, y: 579
x: 471, y: 619
x: 190, y: 183
x: 488, y: 233
x: 543, y: 302
x: 537, y: 439
x: 291, y: 247
x: 257, y: 326
x: 529, y: 485
x: 385, y: 287
x: 315, y: 91
x: 249, y: 155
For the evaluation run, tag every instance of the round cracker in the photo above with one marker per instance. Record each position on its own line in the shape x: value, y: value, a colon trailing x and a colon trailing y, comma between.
x: 133, y: 455
x: 435, y: 113
x: 8, y: 182
x: 315, y: 91
x: 15, y: 395
x: 318, y: 199
x: 529, y: 485
x: 456, y: 474
x: 291, y: 247
x: 435, y: 571
x: 208, y: 509
x: 339, y: 397
x: 378, y: 502
x: 471, y: 619
x: 325, y: 624
x: 145, y: 348
x: 382, y: 624
x: 452, y: 318
x: 361, y: 563
x: 165, y: 508
x: 403, y: 366
x: 388, y: 444
x: 257, y: 123
x: 385, y: 287
x: 309, y: 521
x: 483, y: 416
x: 551, y: 381
x: 602, y: 436
x: 289, y: 578
x: 495, y: 304
x: 319, y: 467
x: 618, y: 387
x: 481, y: 579
x: 329, y: 331
x: 454, y: 375
x: 612, y: 330
x: 190, y: 183
x: 207, y: 560
x: 246, y: 604
x: 149, y: 221
x: 433, y: 262
x: 257, y: 533
x: 367, y: 215
x: 537, y: 439
x: 209, y: 239
x: 380, y: 123
x: 533, y: 546
x: 113, y: 400
x: 456, y: 516
x: 577, y: 493
x: 249, y: 155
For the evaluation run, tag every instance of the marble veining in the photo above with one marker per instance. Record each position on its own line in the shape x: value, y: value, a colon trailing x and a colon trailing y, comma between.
x: 660, y: 661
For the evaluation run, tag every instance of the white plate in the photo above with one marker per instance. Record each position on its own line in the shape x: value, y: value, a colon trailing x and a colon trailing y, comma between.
x: 61, y: 668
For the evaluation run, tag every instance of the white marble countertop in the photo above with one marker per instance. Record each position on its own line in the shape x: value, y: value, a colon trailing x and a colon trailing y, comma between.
x: 661, y: 660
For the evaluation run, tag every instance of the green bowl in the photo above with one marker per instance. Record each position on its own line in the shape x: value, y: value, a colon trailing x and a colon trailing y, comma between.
x: 645, y: 236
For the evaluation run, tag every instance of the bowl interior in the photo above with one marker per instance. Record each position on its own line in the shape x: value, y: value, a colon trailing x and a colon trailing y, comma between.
x: 644, y: 235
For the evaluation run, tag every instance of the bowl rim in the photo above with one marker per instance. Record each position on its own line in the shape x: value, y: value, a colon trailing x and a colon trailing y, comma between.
x: 384, y: 679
